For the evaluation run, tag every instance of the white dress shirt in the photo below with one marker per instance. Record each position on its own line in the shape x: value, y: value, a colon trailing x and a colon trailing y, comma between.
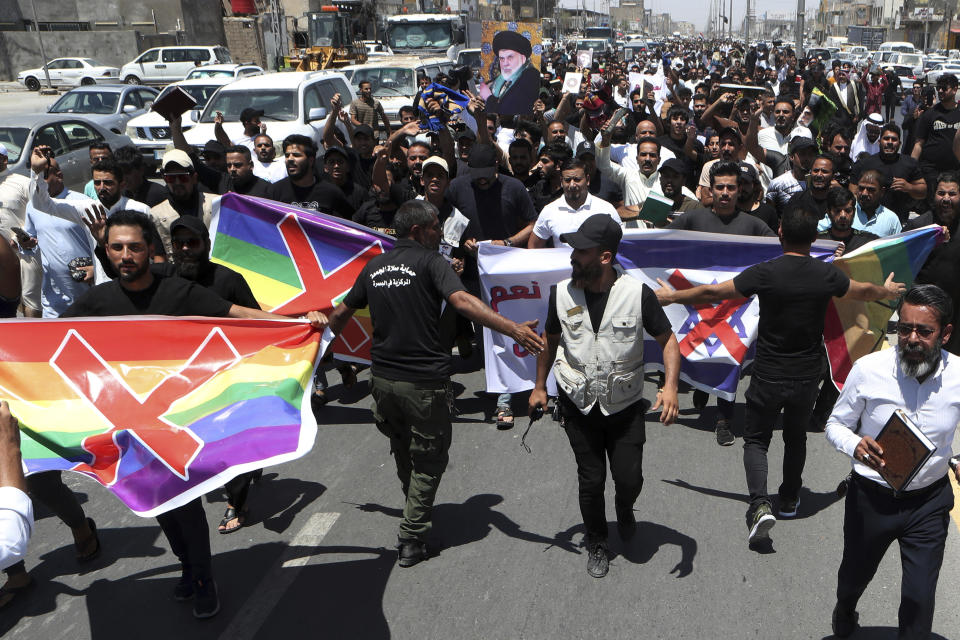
x: 270, y: 171
x: 632, y: 182
x: 772, y: 140
x: 16, y: 525
x: 876, y: 387
x: 558, y: 218
x: 14, y: 194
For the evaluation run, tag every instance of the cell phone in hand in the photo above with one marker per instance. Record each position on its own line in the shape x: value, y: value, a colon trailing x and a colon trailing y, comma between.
x: 22, y: 236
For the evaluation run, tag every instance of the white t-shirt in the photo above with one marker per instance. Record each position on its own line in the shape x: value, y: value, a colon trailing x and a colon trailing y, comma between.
x: 558, y: 218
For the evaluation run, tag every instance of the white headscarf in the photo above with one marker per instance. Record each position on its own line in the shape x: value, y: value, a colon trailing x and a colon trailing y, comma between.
x: 861, y: 143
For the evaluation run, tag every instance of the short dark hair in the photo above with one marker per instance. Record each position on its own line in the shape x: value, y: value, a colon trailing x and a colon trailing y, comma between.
x: 309, y: 148
x: 947, y: 80
x: 406, y: 109
x: 684, y: 93
x: 239, y: 148
x: 799, y: 224
x: 891, y: 126
x: 827, y: 156
x: 413, y: 212
x: 882, y: 179
x: 930, y: 295
x: 364, y: 82
x: 648, y: 140
x: 521, y: 142
x: 573, y: 163
x: 785, y: 100
x: 677, y: 110
x: 99, y: 145
x: 420, y: 143
x: 108, y: 165
x: 636, y: 92
x: 949, y: 176
x: 558, y: 152
x: 130, y: 218
x: 721, y: 168
x: 128, y: 157
x: 535, y: 132
x: 839, y: 197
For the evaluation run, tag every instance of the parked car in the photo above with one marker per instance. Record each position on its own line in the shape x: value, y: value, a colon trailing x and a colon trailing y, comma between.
x: 292, y: 102
x: 942, y: 68
x: 914, y: 60
x: 68, y: 135
x: 394, y: 81
x: 906, y: 73
x: 110, y: 106
x: 162, y: 65
x: 469, y: 57
x: 68, y: 72
x: 151, y: 131
x: 232, y: 71
x: 375, y: 48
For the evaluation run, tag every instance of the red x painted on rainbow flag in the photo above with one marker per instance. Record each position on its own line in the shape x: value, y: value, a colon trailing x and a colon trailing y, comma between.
x: 713, y: 322
x: 330, y: 285
x: 94, y: 380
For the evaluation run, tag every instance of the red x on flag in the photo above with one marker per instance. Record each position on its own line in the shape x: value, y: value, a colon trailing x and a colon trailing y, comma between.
x: 713, y: 322
x: 95, y: 381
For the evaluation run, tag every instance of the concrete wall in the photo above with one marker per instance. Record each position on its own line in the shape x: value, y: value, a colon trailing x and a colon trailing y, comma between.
x: 19, y: 50
x: 244, y: 39
x: 122, y: 12
x: 203, y: 22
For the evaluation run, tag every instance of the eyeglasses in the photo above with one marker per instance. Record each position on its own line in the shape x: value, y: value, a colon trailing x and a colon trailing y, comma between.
x: 182, y: 178
x: 106, y: 183
x: 906, y: 330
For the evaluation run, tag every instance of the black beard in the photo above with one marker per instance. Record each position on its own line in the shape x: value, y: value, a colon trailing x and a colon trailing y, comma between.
x: 189, y: 268
x: 583, y: 276
x: 919, y: 369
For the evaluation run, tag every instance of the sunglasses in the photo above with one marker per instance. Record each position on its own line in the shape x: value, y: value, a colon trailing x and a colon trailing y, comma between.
x: 172, y: 178
x: 106, y: 183
x: 906, y: 330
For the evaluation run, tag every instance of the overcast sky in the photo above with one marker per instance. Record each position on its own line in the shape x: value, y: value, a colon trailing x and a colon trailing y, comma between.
x: 696, y: 10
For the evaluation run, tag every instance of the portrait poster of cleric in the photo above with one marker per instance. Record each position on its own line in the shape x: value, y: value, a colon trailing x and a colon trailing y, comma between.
x: 510, y: 52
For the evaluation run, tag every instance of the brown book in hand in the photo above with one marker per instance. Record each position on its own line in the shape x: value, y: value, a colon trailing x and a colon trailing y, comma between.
x: 905, y: 450
x: 174, y: 104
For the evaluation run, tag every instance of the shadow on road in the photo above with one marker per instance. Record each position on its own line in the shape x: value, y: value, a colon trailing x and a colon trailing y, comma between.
x: 455, y: 525
x: 811, y: 502
x: 646, y: 542
x: 879, y: 633
x: 276, y: 501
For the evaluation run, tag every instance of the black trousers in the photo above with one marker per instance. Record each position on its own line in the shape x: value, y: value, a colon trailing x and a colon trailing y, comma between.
x: 47, y: 488
x: 765, y: 399
x: 186, y: 530
x: 595, y: 438
x: 873, y: 518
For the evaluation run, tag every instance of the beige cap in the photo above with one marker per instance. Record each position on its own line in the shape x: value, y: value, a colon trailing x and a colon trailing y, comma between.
x: 177, y: 157
x: 437, y: 160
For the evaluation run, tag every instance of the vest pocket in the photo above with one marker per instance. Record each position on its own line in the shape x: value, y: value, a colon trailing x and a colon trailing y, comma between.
x: 624, y: 328
x: 623, y: 387
x: 573, y: 382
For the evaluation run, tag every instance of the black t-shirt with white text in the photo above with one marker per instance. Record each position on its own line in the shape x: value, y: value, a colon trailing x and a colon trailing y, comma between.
x: 320, y: 196
x: 793, y: 292
x: 166, y: 296
x: 405, y: 289
x: 937, y: 127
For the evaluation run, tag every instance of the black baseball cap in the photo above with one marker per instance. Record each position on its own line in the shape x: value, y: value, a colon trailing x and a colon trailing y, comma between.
x: 363, y: 130
x: 675, y: 164
x: 586, y: 148
x: 331, y: 150
x: 800, y: 143
x: 748, y: 171
x: 213, y: 146
x: 466, y: 134
x: 730, y: 132
x: 192, y: 223
x: 599, y: 230
x: 249, y: 114
x: 482, y: 156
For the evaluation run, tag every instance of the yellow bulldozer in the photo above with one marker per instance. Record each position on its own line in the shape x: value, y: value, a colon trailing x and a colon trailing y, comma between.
x: 331, y: 40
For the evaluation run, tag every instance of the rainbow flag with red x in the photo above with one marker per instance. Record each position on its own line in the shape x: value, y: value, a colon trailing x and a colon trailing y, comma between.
x: 160, y: 410
x: 296, y: 260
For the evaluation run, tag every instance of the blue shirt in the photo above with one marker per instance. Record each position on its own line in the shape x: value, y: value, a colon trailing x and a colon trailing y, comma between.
x: 883, y: 223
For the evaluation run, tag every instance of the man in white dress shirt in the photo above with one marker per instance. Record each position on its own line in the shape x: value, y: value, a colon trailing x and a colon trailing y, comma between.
x: 16, y: 509
x: 923, y: 380
x: 568, y: 212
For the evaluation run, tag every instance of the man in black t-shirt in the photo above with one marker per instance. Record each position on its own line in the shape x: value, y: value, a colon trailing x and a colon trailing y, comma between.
x: 935, y: 131
x: 793, y: 290
x: 605, y: 317
x: 405, y: 290
x: 239, y: 177
x: 301, y: 187
x: 139, y: 291
x: 814, y: 195
x: 726, y: 180
x: 906, y: 180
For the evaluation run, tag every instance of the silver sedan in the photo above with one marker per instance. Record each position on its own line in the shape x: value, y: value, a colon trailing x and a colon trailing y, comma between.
x: 110, y: 106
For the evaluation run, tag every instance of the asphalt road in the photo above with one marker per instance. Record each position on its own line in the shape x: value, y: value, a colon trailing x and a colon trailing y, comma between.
x: 317, y: 557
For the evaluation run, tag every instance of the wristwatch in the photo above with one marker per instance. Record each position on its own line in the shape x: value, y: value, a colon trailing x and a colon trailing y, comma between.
x: 507, y: 242
x: 953, y: 462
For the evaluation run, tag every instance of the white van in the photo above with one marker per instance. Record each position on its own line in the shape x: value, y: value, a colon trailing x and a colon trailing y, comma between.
x: 394, y: 80
x: 162, y: 65
x: 901, y: 47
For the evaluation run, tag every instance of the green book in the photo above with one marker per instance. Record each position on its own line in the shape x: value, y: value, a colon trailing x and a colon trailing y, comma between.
x: 656, y: 208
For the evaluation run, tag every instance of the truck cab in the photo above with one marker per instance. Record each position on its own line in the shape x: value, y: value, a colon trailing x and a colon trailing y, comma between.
x: 426, y: 34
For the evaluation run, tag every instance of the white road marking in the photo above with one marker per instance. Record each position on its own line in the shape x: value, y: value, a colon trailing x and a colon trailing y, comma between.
x: 278, y: 579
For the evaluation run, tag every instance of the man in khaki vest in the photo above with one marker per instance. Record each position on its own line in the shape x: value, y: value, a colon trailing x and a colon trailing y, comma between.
x: 596, y: 321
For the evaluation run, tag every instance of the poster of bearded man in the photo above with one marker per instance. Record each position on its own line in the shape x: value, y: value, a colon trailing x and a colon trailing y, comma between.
x: 510, y: 52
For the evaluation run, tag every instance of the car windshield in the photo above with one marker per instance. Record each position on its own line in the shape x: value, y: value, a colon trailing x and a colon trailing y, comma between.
x: 276, y: 104
x: 96, y: 102
x: 210, y: 73
x: 13, y: 138
x: 386, y: 81
x: 596, y: 45
x: 471, y: 58
x: 199, y: 92
x: 417, y: 35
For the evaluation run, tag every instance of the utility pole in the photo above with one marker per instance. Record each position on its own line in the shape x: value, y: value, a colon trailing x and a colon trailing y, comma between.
x: 730, y: 21
x: 798, y: 29
x: 746, y: 25
x: 36, y: 24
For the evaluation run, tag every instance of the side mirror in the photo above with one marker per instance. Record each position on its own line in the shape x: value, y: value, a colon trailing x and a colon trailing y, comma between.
x: 317, y: 113
x: 129, y: 108
x: 195, y: 115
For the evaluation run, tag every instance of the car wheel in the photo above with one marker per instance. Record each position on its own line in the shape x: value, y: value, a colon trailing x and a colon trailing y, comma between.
x: 132, y: 80
x: 88, y: 81
x: 32, y: 84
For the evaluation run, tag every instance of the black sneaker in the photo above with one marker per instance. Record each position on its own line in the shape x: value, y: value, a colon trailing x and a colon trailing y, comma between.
x: 760, y: 522
x: 411, y: 552
x: 788, y: 508
x: 206, y: 603
x: 844, y: 623
x: 725, y: 437
x: 184, y: 589
x: 597, y: 561
x: 626, y: 523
